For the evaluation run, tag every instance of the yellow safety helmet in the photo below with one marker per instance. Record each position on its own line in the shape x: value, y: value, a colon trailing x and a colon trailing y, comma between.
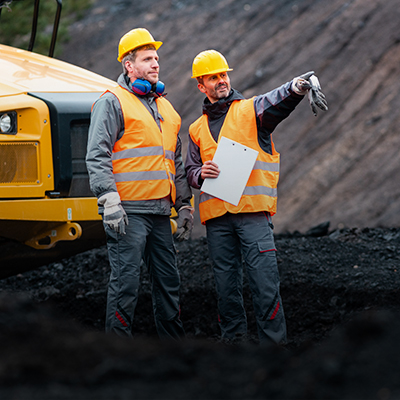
x: 209, y: 62
x: 133, y: 39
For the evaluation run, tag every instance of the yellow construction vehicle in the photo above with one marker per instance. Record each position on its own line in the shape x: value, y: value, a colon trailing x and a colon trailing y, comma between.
x: 47, y: 211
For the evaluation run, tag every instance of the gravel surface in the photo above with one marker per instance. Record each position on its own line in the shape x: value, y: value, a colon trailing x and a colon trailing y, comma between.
x: 340, y: 292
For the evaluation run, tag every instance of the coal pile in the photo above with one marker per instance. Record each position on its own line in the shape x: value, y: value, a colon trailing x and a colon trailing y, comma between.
x: 340, y: 293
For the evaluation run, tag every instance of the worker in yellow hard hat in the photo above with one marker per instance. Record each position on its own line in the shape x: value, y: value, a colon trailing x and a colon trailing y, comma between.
x: 137, y: 175
x: 243, y: 231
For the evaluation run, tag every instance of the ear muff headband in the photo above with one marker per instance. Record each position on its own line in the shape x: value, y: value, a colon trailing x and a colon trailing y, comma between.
x: 142, y: 87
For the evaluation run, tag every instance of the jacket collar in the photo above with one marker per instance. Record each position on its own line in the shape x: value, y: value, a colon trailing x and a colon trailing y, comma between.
x: 125, y: 82
x: 221, y: 107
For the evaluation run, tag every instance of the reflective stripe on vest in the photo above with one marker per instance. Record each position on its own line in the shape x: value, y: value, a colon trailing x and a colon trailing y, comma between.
x: 260, y: 193
x: 147, y: 151
x: 144, y: 158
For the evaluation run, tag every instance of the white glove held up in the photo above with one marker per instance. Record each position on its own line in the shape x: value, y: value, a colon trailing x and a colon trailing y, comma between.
x: 309, y: 84
x: 315, y: 97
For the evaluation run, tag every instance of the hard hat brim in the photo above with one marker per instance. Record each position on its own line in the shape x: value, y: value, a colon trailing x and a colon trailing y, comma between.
x: 156, y: 44
x: 218, y: 71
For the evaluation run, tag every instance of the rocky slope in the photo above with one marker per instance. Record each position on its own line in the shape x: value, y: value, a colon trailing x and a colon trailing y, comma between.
x: 340, y: 166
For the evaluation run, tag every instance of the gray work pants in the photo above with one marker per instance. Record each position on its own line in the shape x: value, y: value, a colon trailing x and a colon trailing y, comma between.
x: 147, y: 237
x: 246, y: 236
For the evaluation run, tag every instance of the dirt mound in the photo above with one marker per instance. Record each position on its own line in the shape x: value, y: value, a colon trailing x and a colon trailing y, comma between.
x: 341, y: 298
x: 341, y: 166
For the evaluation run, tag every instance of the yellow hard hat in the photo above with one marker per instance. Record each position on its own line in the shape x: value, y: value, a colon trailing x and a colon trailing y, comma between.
x: 133, y: 39
x: 209, y: 62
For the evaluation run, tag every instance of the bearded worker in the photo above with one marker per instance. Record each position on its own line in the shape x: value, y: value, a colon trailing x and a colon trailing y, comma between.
x: 243, y: 232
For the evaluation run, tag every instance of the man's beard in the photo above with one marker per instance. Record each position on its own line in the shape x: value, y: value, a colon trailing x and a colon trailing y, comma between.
x: 221, y: 95
x: 150, y: 79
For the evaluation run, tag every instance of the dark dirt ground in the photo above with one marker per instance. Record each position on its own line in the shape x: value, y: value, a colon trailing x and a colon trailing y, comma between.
x: 341, y: 298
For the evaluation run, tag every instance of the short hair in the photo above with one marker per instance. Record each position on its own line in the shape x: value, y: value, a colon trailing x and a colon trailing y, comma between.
x: 200, y: 79
x: 131, y: 56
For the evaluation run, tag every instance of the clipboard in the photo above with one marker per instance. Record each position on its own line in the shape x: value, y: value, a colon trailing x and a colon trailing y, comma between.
x: 235, y: 162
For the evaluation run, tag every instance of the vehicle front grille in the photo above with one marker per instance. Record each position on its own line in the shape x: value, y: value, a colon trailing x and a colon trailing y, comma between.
x: 80, y: 179
x: 19, y: 163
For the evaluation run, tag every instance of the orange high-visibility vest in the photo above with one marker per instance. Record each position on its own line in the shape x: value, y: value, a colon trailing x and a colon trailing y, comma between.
x: 260, y: 193
x: 144, y: 158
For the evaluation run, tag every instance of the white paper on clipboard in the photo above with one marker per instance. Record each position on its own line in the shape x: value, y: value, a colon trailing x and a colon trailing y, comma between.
x: 235, y: 161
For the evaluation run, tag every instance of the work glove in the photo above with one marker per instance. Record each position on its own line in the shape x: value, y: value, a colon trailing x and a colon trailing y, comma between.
x: 114, y: 215
x: 309, y: 84
x: 185, y: 222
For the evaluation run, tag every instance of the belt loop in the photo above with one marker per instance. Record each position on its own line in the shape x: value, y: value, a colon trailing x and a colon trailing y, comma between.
x: 269, y: 219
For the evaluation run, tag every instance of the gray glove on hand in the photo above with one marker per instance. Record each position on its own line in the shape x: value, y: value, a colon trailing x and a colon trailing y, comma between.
x: 185, y: 222
x: 114, y: 215
x: 308, y: 82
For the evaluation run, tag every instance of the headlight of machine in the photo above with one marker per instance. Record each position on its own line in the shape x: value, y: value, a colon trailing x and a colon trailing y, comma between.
x: 8, y: 123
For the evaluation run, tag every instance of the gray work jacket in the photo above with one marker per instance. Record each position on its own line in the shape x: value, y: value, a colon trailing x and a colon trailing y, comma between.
x: 270, y: 109
x: 106, y: 127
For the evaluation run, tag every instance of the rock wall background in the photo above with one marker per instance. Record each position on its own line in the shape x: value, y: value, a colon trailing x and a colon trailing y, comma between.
x: 341, y: 166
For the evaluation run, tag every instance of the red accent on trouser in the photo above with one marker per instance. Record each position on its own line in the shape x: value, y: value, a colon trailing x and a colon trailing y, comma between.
x: 275, y: 311
x: 120, y: 318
